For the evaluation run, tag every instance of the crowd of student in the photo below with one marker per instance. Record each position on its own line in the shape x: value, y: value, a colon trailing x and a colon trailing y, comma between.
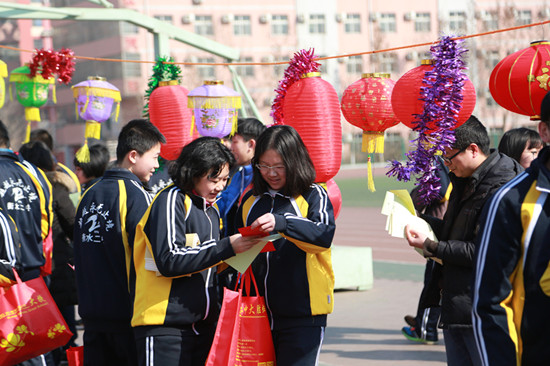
x: 148, y: 268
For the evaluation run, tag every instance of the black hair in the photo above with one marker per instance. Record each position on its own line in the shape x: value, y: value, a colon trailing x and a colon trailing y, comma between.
x: 4, y: 135
x: 472, y: 132
x: 39, y: 154
x: 300, y: 172
x: 99, y: 159
x: 514, y: 141
x: 249, y: 128
x: 205, y: 155
x: 42, y: 135
x: 140, y: 135
x: 545, y: 109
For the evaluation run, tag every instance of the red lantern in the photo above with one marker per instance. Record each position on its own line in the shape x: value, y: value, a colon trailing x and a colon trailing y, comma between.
x: 168, y: 111
x: 311, y: 106
x: 367, y: 104
x: 519, y: 82
x: 405, y: 102
x: 335, y: 197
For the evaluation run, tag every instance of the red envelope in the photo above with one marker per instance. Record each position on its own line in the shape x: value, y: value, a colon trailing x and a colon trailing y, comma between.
x: 248, y: 231
x: 269, y: 247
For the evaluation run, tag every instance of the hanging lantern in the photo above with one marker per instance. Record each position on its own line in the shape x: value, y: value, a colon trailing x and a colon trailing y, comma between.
x: 367, y: 104
x: 335, y: 196
x: 311, y: 106
x: 3, y: 74
x: 94, y: 103
x: 406, y: 103
x: 31, y: 92
x: 168, y: 111
x: 519, y: 82
x: 214, y: 108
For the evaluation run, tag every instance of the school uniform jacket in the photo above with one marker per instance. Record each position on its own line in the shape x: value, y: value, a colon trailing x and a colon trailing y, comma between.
x: 26, y: 194
x: 184, y: 292
x: 104, y: 230
x: 297, y: 278
x: 10, y: 249
x: 511, y: 290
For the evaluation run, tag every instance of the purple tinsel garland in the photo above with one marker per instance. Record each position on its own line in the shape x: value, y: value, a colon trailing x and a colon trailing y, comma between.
x: 302, y: 63
x: 442, y: 96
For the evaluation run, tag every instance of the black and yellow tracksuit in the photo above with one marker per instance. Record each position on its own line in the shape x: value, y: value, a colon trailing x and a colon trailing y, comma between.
x: 26, y: 194
x: 511, y: 289
x: 104, y: 230
x: 297, y: 278
x: 183, y: 293
x: 10, y: 249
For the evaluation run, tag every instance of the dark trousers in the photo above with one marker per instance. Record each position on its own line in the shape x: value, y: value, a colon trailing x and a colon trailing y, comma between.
x: 109, y: 348
x: 427, y: 318
x: 184, y: 349
x: 298, y: 346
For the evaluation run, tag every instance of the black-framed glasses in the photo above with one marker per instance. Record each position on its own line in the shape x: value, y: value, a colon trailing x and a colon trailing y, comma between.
x: 448, y: 159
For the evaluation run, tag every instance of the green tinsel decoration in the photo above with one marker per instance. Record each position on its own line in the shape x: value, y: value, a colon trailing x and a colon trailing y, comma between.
x: 161, y: 72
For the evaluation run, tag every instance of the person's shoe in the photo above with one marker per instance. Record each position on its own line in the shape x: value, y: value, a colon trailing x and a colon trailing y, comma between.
x: 411, y: 334
x: 411, y: 320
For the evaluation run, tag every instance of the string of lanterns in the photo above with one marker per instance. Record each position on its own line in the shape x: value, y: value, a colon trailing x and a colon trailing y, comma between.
x: 303, y: 100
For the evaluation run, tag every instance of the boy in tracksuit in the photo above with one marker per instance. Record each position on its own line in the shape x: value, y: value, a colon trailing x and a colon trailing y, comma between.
x: 105, y: 224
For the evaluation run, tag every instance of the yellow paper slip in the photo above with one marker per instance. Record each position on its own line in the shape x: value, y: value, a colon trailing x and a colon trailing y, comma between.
x: 241, y: 261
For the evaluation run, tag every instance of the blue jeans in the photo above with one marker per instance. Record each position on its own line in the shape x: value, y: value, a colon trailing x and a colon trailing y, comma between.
x: 460, y: 347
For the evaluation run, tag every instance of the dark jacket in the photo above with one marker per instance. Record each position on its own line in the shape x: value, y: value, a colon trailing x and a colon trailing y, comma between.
x: 26, y: 194
x: 104, y: 230
x: 456, y: 234
x: 184, y: 291
x: 511, y: 288
x: 63, y: 282
x: 10, y: 249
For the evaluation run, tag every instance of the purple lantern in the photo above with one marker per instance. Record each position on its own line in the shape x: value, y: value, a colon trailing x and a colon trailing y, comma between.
x: 94, y: 103
x: 214, y: 108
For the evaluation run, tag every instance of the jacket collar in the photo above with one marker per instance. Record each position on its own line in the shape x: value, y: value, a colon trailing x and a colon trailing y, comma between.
x: 122, y: 173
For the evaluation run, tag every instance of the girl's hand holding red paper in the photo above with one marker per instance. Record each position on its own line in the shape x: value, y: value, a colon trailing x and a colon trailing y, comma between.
x: 264, y: 223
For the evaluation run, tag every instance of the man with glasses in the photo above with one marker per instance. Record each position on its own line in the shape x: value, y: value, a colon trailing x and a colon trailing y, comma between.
x: 476, y: 173
x: 511, y: 288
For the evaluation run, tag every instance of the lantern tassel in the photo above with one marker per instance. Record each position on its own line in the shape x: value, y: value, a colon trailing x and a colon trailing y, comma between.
x: 234, y: 124
x: 28, y: 132
x: 32, y: 114
x: 370, y: 179
x: 54, y: 96
x: 373, y: 142
x: 93, y: 130
x: 83, y: 154
x: 192, y: 125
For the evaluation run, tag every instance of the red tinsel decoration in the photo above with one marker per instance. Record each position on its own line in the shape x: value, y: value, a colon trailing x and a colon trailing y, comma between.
x: 301, y: 64
x: 50, y: 62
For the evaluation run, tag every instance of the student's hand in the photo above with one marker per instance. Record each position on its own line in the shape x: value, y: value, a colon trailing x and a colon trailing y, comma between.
x: 415, y: 238
x: 243, y: 243
x: 266, y: 223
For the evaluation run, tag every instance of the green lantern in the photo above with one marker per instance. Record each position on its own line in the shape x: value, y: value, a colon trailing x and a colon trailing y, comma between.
x: 32, y: 93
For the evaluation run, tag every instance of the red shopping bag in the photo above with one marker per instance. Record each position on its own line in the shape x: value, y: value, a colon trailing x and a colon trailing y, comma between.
x: 75, y: 356
x: 243, y: 334
x: 30, y: 322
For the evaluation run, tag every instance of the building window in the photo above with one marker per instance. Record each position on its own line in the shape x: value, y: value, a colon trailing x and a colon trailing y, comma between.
x: 355, y: 65
x: 245, y: 70
x: 493, y: 58
x: 490, y: 20
x: 279, y: 70
x: 205, y: 71
x: 457, y: 20
x: 524, y: 17
x: 242, y: 25
x: 387, y: 22
x: 131, y: 69
x: 279, y: 24
x: 352, y: 23
x: 388, y: 63
x: 204, y: 25
x: 422, y: 22
x: 129, y: 28
x: 317, y: 23
x: 38, y: 43
x: 37, y: 22
x: 164, y: 18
